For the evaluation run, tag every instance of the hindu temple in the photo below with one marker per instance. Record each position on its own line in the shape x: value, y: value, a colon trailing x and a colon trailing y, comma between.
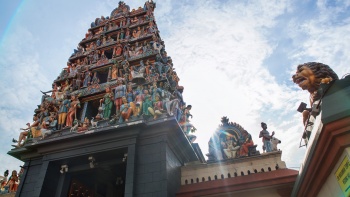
x: 115, y: 124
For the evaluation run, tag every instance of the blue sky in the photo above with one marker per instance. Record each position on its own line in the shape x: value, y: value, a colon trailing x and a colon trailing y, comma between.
x: 234, y: 58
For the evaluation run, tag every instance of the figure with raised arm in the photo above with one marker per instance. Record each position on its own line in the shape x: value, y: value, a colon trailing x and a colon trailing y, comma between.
x: 266, y: 137
x: 23, y: 135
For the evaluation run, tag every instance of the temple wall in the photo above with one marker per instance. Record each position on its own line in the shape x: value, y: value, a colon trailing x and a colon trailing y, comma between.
x: 194, y: 173
x: 331, y: 186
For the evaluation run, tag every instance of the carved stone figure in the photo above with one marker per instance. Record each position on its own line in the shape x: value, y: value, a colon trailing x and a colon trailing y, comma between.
x: 84, y: 126
x: 138, y: 100
x: 87, y: 79
x: 228, y: 141
x: 95, y: 79
x: 120, y: 91
x: 62, y: 112
x: 134, y: 20
x: 23, y: 135
x: 137, y: 73
x: 125, y: 110
x: 248, y: 142
x: 146, y: 103
x: 230, y: 147
x: 107, y: 103
x: 266, y: 137
x: 118, y: 50
x: 170, y: 102
x: 309, y: 76
x: 114, y: 72
x: 157, y: 107
x: 77, y: 83
x: 109, y: 40
x: 72, y: 112
x: 130, y: 99
x: 127, y: 33
x: 13, y: 182
x: 122, y: 34
x: 3, y: 181
x: 274, y: 143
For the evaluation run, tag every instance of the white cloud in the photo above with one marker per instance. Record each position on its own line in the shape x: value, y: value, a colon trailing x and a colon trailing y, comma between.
x: 219, y: 54
x: 21, y: 80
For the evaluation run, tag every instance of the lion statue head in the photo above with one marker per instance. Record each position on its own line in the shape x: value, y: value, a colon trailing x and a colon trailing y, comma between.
x: 310, y: 75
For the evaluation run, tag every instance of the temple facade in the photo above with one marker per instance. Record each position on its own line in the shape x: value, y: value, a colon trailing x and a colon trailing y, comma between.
x: 115, y: 124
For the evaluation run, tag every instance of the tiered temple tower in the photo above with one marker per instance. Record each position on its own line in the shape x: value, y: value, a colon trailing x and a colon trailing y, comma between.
x: 115, y: 123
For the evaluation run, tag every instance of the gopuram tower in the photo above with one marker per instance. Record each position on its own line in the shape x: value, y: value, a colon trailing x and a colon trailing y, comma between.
x: 115, y: 122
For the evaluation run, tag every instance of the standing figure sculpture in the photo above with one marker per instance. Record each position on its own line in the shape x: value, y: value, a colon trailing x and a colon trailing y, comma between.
x: 62, y: 112
x: 120, y: 91
x: 266, y: 137
x: 118, y: 50
x: 170, y: 103
x: 146, y: 103
x: 108, y: 103
x: 71, y: 115
x: 114, y: 72
x: 138, y: 102
x: 87, y: 79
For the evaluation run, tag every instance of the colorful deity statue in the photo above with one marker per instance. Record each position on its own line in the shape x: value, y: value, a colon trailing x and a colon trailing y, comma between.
x: 84, y: 126
x: 62, y: 112
x: 230, y: 147
x: 137, y: 73
x: 72, y: 112
x: 95, y: 79
x: 107, y: 103
x: 146, y: 103
x: 87, y: 79
x: 120, y: 92
x: 230, y: 141
x: 138, y: 100
x: 114, y: 74
x: 3, y: 181
x: 118, y: 50
x: 157, y: 107
x: 13, y: 181
x: 247, y: 142
x: 125, y: 110
x: 170, y: 102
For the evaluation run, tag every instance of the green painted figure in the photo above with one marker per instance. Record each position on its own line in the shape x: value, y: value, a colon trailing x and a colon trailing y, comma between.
x: 108, y: 103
